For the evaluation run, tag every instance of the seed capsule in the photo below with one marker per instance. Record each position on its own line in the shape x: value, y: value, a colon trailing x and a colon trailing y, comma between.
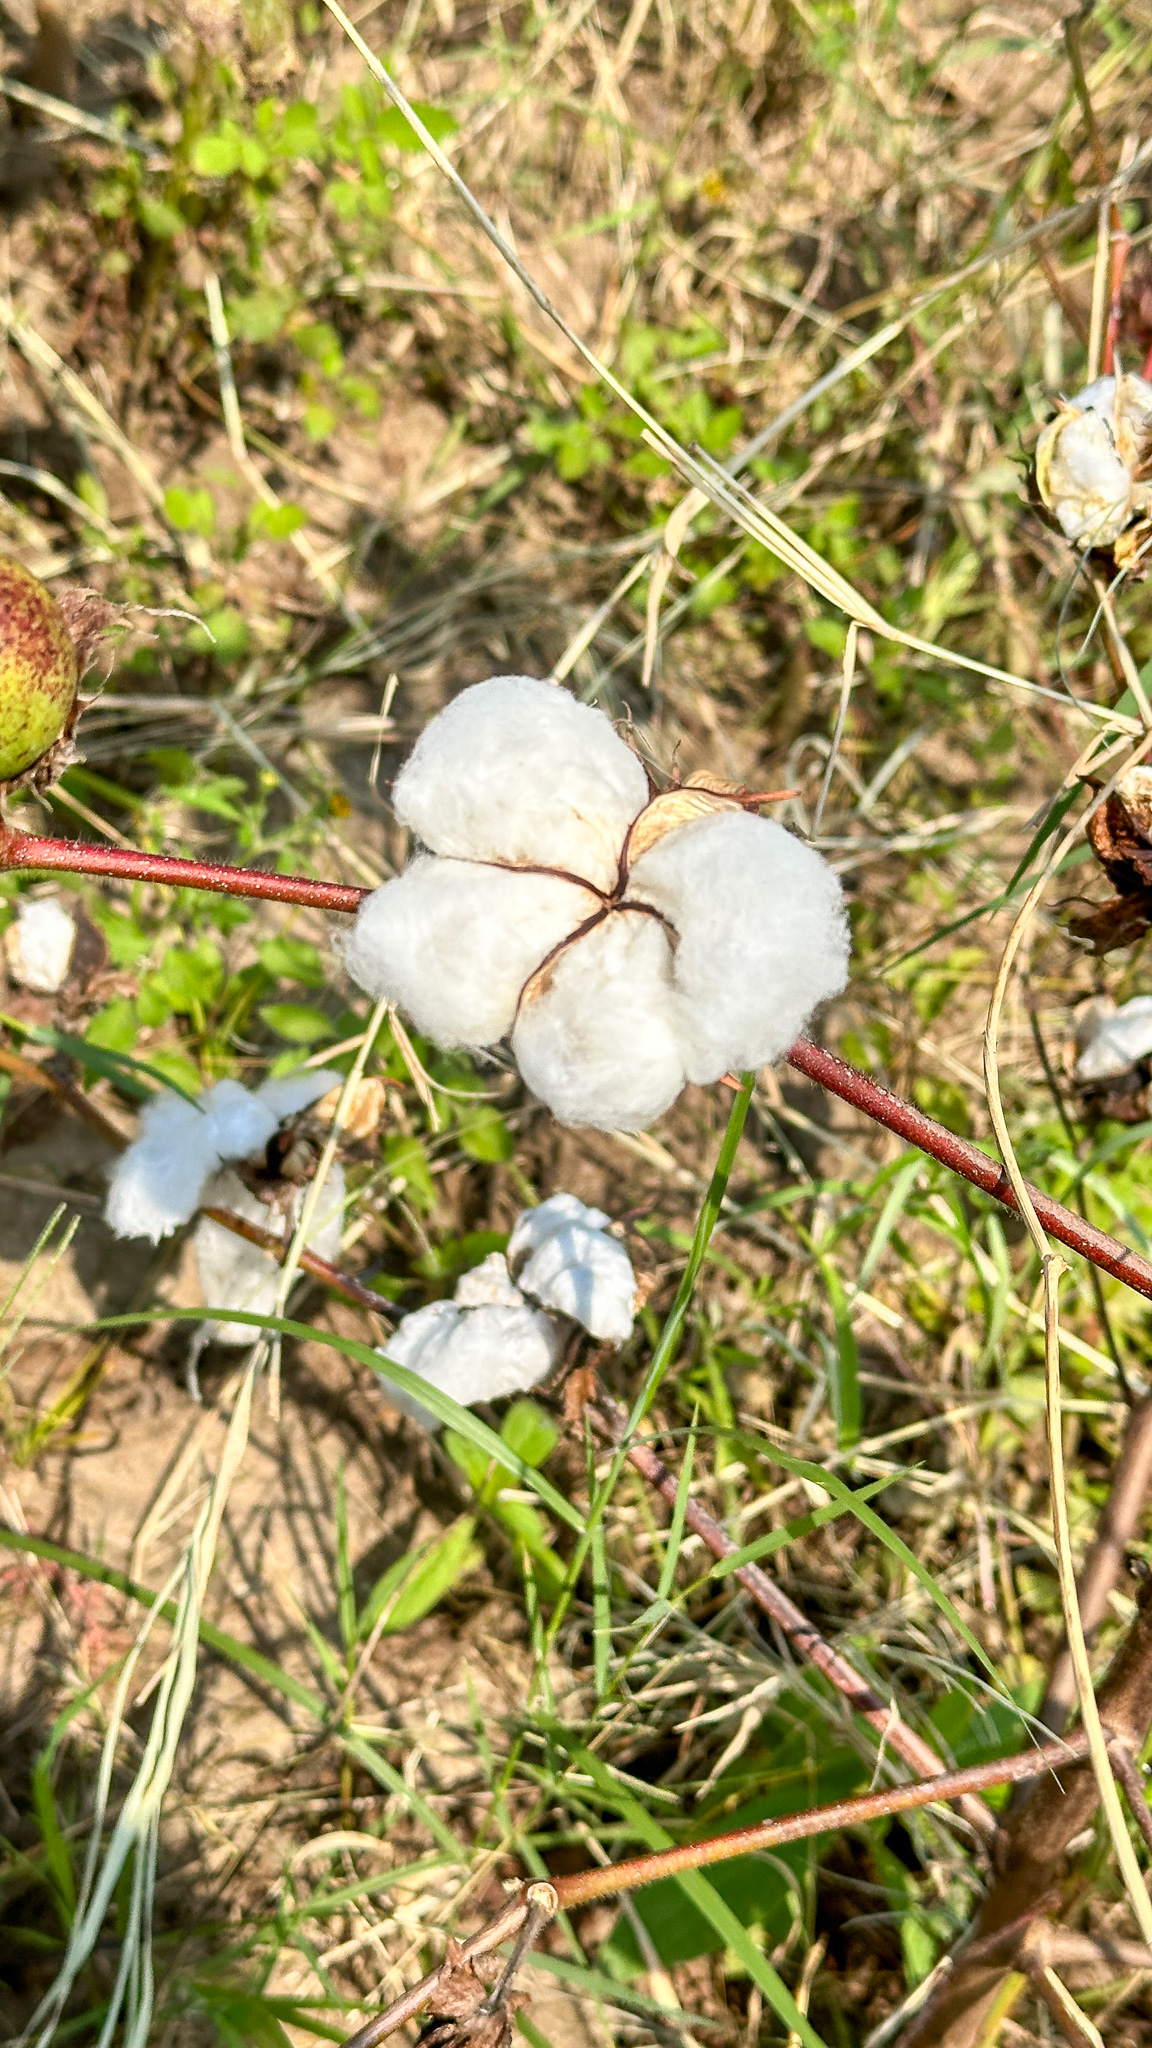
x: 39, y: 671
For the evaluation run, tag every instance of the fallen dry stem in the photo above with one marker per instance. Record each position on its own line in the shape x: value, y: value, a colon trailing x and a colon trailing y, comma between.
x: 894, y: 1732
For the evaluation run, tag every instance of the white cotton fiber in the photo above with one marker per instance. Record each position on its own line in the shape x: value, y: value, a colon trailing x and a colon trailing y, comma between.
x: 763, y: 936
x: 1118, y: 1042
x: 235, y: 1274
x: 573, y: 1266
x: 473, y: 1354
x: 598, y: 1042
x: 488, y: 1285
x: 453, y: 943
x: 156, y: 1183
x: 38, y: 947
x: 518, y: 771
x: 1087, y: 484
x: 288, y: 1094
x: 241, y: 1125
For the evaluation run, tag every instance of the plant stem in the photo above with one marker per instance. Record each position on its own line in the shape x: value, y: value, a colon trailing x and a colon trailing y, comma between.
x: 74, y: 856
x: 82, y: 857
x: 968, y: 1161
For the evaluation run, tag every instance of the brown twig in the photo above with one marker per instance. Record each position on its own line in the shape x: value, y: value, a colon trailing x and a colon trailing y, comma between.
x: 893, y: 1731
x: 43, y: 1077
x: 1131, y: 1479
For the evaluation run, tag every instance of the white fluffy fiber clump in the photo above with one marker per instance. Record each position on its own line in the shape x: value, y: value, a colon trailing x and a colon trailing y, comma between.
x: 473, y: 1351
x: 38, y: 946
x: 517, y: 771
x: 1087, y: 459
x: 571, y: 1264
x: 237, y: 1275
x: 1117, y: 1042
x: 762, y: 936
x: 158, y: 1183
x: 706, y: 952
x: 453, y: 943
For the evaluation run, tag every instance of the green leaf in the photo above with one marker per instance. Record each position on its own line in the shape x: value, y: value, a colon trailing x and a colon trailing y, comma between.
x: 292, y: 960
x: 217, y: 156
x: 529, y: 1432
x: 260, y: 316
x: 276, y: 522
x: 485, y: 1136
x: 191, y: 511
x: 161, y: 220
x: 321, y: 344
x: 189, y: 977
x: 115, y: 1027
x: 408, y: 1164
x: 297, y: 1022
x: 423, y: 1580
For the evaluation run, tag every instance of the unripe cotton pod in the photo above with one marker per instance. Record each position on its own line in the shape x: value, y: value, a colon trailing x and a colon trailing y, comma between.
x: 39, y: 672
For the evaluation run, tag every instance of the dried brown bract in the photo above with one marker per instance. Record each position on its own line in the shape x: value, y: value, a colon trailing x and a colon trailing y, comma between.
x: 1120, y: 834
x: 463, y: 2011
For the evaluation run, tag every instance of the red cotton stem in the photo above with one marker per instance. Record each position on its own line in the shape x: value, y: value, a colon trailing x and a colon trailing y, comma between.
x: 967, y: 1160
x: 83, y: 857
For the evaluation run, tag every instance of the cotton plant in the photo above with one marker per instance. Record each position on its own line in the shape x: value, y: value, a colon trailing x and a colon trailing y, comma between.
x: 1090, y: 460
x: 160, y: 1181
x: 625, y: 942
x: 501, y: 1334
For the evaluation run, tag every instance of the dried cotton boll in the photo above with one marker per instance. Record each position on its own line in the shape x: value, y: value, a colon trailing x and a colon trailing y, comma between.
x: 1117, y: 1042
x: 574, y: 1267
x: 515, y: 770
x: 453, y: 943
x: 1087, y: 458
x: 38, y: 947
x: 238, y: 1275
x: 472, y: 1354
x: 596, y: 1035
x: 763, y: 937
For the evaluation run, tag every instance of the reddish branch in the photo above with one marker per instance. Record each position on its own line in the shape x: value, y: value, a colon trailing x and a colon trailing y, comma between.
x: 22, y: 850
x: 894, y: 1732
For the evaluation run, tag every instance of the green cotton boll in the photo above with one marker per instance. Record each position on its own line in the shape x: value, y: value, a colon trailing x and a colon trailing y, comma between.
x: 39, y: 670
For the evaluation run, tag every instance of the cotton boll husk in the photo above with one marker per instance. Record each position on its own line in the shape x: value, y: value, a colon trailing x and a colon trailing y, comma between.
x: 38, y: 947
x: 587, y: 1275
x: 596, y: 1039
x: 559, y: 1212
x: 488, y: 1285
x: 240, y: 1123
x: 452, y: 943
x: 763, y: 936
x: 236, y: 1274
x: 473, y: 1354
x: 288, y: 1094
x: 1118, y: 1042
x: 517, y: 770
x: 156, y: 1183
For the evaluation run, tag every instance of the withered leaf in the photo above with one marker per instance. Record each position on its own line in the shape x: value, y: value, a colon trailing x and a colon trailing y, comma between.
x: 1120, y: 835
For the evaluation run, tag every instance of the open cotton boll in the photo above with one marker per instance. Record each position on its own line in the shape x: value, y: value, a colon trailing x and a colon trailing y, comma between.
x: 595, y: 1038
x: 763, y: 936
x: 240, y: 1123
x: 38, y: 946
x: 488, y: 1285
x: 288, y: 1094
x: 453, y: 943
x: 156, y: 1183
x: 516, y: 770
x: 1087, y: 485
x: 473, y: 1354
x: 587, y: 1275
x: 559, y: 1212
x: 1117, y: 1042
x: 238, y: 1275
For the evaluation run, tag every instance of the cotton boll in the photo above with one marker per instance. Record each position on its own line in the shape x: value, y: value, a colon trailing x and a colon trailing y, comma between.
x: 584, y: 1274
x: 240, y: 1123
x: 516, y: 770
x: 473, y: 1354
x: 156, y: 1183
x: 289, y: 1094
x: 488, y: 1285
x: 596, y: 1036
x: 559, y: 1212
x: 238, y: 1275
x: 1088, y: 456
x: 453, y: 943
x: 763, y: 937
x: 1118, y: 1042
x: 38, y: 947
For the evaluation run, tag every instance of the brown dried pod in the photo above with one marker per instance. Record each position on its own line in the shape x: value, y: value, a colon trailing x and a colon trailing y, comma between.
x: 462, y: 2013
x: 1120, y: 835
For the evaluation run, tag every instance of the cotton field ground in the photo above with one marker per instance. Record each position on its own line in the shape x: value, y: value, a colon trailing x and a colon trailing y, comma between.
x: 270, y: 389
